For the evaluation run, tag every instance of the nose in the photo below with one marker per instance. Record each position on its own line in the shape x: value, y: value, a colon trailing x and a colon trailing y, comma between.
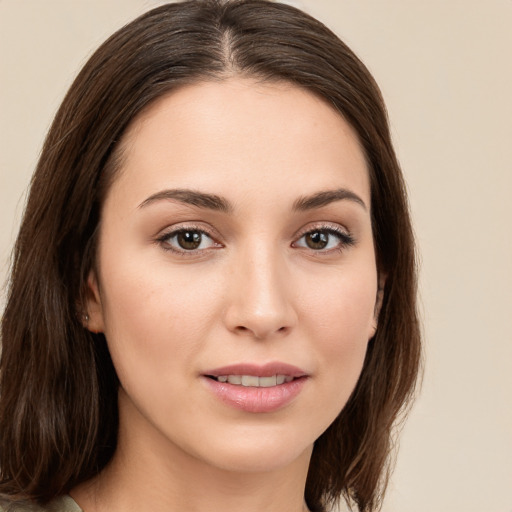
x: 260, y: 297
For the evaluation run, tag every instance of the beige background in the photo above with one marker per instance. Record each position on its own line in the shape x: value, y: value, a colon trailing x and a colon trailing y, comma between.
x: 445, y: 68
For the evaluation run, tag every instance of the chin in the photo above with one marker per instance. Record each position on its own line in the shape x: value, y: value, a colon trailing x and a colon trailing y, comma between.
x: 261, y: 460
x: 257, y: 451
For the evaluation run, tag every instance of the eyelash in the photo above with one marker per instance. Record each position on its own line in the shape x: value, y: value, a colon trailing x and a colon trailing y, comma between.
x: 165, y: 237
x: 345, y: 239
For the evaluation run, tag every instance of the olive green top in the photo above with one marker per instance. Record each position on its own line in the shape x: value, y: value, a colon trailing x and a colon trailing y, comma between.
x: 61, y: 504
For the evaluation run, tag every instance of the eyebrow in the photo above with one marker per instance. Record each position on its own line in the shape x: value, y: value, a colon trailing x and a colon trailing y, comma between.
x: 326, y: 197
x: 217, y: 203
x: 192, y: 197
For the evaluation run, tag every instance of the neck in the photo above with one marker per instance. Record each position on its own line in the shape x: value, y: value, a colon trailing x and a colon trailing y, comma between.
x: 148, y: 471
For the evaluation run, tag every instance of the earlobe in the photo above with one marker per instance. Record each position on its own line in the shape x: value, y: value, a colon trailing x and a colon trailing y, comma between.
x: 93, y: 314
x: 378, y: 303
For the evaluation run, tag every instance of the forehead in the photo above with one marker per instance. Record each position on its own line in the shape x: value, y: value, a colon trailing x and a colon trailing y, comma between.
x: 214, y: 134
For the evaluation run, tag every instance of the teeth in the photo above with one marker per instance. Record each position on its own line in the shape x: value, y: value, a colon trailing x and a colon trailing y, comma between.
x: 250, y: 380
x: 254, y: 381
x: 267, y: 382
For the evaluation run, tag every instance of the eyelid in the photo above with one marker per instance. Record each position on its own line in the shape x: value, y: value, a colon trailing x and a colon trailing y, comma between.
x: 173, y: 230
x: 345, y: 236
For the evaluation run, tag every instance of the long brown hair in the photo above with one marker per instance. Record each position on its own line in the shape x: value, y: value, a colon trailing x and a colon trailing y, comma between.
x: 58, y: 405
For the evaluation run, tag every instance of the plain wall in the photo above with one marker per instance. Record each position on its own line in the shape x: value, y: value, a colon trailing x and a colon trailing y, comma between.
x: 445, y: 69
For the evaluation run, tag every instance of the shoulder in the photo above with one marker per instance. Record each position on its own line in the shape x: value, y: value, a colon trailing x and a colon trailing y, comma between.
x: 61, y: 504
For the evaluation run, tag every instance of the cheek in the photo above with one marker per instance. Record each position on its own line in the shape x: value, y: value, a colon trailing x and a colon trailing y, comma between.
x: 340, y: 322
x: 342, y: 306
x: 155, y: 315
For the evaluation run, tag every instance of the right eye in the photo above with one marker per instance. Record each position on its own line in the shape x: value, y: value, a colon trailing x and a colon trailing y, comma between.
x: 187, y: 240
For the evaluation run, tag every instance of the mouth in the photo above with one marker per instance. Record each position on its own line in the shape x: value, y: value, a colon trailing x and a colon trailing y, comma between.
x: 256, y: 388
x: 253, y: 381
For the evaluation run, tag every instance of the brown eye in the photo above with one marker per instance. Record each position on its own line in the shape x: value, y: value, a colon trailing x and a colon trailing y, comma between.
x: 317, y: 240
x: 325, y: 239
x: 189, y: 240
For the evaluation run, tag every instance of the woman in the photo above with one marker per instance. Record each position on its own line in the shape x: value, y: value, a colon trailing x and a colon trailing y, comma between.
x: 212, y: 299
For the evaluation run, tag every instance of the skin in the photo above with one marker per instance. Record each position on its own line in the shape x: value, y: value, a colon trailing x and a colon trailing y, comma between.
x: 254, y: 291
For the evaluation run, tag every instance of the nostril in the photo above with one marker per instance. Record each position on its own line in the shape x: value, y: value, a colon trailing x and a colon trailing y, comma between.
x: 260, y: 332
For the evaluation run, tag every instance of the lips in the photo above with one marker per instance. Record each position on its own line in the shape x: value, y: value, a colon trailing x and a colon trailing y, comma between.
x: 266, y: 370
x: 256, y: 389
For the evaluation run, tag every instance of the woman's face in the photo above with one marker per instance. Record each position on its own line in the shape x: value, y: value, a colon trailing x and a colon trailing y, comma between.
x: 236, y: 281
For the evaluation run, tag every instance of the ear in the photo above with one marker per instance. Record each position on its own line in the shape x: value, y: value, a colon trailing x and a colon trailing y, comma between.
x: 93, y: 306
x: 381, y: 283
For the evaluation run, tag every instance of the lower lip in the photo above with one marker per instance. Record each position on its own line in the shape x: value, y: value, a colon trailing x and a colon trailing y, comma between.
x: 256, y: 399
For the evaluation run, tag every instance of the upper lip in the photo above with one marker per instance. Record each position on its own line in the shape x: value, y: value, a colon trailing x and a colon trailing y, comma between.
x: 265, y: 370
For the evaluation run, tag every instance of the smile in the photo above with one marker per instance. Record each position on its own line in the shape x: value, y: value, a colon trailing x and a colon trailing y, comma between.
x: 254, y: 380
x: 256, y: 388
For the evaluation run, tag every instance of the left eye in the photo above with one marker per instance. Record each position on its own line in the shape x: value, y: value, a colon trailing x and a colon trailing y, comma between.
x: 323, y: 239
x: 188, y: 240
